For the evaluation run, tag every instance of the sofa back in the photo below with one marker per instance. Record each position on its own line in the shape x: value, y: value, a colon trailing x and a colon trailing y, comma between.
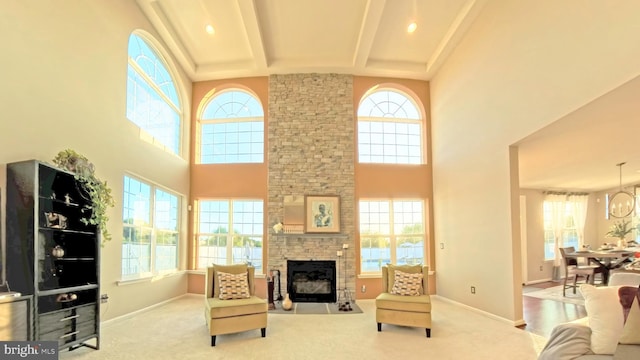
x: 624, y: 278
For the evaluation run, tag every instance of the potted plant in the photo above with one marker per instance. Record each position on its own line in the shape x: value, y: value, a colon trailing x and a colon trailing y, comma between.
x: 620, y: 229
x: 98, y: 192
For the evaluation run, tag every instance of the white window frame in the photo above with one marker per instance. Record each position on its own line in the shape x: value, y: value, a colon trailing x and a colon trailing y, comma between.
x: 152, y: 227
x: 391, y: 235
x: 229, y: 250
x: 385, y: 119
x: 164, y: 97
x: 232, y: 147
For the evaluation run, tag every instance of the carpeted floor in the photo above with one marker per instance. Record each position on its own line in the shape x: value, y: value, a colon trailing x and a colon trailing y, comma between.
x: 177, y: 330
x: 555, y: 293
x: 315, y: 308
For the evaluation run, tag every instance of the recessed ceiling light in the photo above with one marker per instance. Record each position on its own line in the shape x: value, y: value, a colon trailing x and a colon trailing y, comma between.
x: 210, y: 30
x: 412, y: 27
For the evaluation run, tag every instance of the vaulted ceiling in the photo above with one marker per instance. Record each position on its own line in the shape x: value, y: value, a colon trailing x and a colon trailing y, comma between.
x: 370, y: 38
x: 262, y: 37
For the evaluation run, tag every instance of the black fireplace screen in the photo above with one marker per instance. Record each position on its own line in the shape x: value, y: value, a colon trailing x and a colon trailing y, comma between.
x: 311, y: 280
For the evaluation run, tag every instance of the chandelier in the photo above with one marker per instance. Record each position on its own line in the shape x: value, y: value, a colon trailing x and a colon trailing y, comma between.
x: 621, y: 203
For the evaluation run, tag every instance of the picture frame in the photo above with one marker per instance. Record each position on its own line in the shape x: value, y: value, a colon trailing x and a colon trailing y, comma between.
x: 322, y: 214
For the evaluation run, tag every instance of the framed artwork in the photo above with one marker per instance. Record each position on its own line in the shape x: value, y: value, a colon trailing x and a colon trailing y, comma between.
x: 322, y: 214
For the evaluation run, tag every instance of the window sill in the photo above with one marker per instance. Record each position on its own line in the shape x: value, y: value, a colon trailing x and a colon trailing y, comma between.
x: 379, y: 275
x: 204, y: 272
x: 148, y: 278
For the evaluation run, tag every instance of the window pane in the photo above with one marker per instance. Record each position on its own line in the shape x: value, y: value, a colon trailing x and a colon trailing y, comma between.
x: 136, y: 251
x: 569, y: 232
x: 240, y: 225
x: 391, y: 232
x: 152, y: 99
x: 150, y: 229
x: 232, y: 129
x: 388, y: 121
x: 410, y: 250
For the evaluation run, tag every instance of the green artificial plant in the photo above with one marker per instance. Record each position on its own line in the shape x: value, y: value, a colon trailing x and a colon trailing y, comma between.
x: 98, y: 191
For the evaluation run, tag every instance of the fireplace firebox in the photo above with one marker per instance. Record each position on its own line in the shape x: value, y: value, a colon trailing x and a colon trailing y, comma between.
x: 311, y: 280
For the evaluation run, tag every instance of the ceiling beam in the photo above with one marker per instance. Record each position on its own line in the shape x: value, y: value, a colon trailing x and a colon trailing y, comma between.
x: 369, y: 27
x: 249, y: 16
x: 454, y: 35
x: 156, y: 15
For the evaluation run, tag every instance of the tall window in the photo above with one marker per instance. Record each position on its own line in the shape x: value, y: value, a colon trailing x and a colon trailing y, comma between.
x: 230, y: 232
x: 391, y: 231
x: 150, y: 229
x: 389, y: 129
x: 569, y: 228
x: 232, y: 129
x: 152, y: 99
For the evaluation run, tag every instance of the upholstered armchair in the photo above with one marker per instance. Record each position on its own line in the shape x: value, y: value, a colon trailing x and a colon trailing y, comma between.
x: 404, y: 299
x: 231, y: 305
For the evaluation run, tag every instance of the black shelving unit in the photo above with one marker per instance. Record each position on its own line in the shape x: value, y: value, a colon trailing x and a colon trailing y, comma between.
x: 52, y: 254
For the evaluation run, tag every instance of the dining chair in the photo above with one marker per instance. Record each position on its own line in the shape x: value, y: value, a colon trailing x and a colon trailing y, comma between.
x: 575, y: 271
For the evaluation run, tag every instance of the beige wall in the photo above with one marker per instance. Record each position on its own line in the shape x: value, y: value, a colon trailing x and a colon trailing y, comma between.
x: 64, y: 76
x: 522, y: 65
x: 245, y: 180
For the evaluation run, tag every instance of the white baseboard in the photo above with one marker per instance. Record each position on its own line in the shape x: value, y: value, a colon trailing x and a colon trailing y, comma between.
x: 482, y: 312
x: 134, y: 313
x: 538, y: 281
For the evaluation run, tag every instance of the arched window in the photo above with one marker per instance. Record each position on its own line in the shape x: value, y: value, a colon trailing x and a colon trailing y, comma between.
x: 152, y: 99
x: 232, y: 129
x: 390, y: 129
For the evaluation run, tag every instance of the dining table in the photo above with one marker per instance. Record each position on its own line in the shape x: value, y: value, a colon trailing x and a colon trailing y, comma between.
x: 609, y: 259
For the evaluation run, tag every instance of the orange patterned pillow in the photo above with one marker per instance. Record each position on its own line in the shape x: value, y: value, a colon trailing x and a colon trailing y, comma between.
x: 406, y: 284
x: 233, y: 286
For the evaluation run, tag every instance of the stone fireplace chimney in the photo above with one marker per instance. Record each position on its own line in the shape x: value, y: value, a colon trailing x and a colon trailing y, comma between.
x: 311, y: 127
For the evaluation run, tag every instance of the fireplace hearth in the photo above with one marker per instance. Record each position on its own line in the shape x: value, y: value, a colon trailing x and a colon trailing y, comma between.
x: 311, y: 280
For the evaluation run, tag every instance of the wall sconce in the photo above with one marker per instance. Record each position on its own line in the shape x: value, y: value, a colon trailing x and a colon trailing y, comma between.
x: 621, y: 203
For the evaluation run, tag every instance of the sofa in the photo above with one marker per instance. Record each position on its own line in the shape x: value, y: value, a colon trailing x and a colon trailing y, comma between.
x: 597, y: 336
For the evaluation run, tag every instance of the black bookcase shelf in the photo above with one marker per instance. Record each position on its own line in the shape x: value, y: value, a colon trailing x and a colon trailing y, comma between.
x: 52, y: 254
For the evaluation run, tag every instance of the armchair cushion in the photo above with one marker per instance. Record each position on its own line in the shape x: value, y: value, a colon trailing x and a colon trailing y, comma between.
x: 389, y: 301
x: 224, y: 308
x: 406, y: 284
x: 233, y: 286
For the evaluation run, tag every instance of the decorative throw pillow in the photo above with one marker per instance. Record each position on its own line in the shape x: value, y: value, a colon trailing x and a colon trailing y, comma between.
x: 406, y: 284
x: 233, y: 286
x: 630, y: 301
x: 409, y: 269
x: 605, y: 318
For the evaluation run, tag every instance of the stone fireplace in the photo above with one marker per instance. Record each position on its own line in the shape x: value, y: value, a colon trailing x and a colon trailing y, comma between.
x: 311, y: 280
x: 311, y: 152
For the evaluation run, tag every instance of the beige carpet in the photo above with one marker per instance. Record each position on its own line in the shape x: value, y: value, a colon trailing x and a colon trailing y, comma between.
x: 177, y: 330
x: 555, y: 293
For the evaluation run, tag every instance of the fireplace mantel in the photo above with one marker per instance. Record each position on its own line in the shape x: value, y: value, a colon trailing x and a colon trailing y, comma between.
x: 313, y: 236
